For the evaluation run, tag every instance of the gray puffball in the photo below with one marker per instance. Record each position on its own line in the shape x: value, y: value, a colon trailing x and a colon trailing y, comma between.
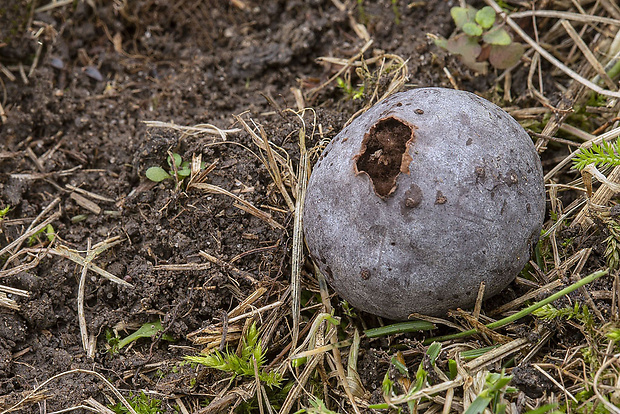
x: 423, y: 197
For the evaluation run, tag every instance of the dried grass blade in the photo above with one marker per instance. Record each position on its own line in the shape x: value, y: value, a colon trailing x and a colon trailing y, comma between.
x: 249, y: 207
x: 80, y: 303
x: 258, y: 311
x: 7, y: 302
x: 298, y: 240
x: 75, y: 257
x: 254, y: 296
x: 497, y: 354
x: 275, y: 171
x: 29, y: 233
x: 39, y: 388
x: 588, y: 54
x: 273, y: 159
x: 247, y: 276
x: 305, y: 375
x: 194, y: 130
x: 548, y: 56
x: 322, y: 349
x: 599, y: 198
x: 577, y: 17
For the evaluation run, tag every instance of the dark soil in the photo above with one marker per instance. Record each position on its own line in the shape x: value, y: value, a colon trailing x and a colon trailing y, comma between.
x: 78, y: 122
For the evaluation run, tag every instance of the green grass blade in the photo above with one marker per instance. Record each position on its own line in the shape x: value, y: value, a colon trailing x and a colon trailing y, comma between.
x: 411, y: 326
x: 524, y: 312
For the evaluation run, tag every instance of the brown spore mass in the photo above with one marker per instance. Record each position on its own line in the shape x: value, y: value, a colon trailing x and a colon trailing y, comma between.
x: 385, y: 154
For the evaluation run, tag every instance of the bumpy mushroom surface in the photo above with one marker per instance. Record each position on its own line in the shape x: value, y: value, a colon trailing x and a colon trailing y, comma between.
x: 422, y: 198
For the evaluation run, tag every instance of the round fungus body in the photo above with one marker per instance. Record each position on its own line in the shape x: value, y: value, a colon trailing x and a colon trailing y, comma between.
x: 421, y: 199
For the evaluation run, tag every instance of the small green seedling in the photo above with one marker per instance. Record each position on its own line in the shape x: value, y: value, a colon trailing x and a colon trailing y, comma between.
x: 141, y: 403
x: 40, y: 236
x: 613, y: 334
x: 146, y: 331
x: 349, y: 90
x: 242, y: 366
x: 4, y: 212
x: 481, y: 37
x: 178, y: 168
x: 411, y: 385
x: 496, y: 385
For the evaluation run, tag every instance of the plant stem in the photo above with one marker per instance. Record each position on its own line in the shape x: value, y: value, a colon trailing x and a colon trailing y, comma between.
x: 402, y: 327
x: 524, y: 312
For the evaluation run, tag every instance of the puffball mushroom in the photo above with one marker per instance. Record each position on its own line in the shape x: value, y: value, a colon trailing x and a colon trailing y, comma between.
x: 421, y: 199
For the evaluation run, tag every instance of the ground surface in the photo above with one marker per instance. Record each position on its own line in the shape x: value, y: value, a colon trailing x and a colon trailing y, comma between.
x: 77, y: 122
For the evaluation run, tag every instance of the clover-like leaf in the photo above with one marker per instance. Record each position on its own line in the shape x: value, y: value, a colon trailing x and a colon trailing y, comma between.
x: 185, y: 172
x: 472, y: 29
x: 497, y: 36
x: 157, y: 174
x: 503, y: 57
x: 462, y: 15
x: 473, y: 64
x: 177, y: 160
x: 442, y: 42
x: 464, y: 46
x: 485, y: 17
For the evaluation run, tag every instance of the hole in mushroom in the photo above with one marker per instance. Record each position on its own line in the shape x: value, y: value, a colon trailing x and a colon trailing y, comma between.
x: 385, y: 154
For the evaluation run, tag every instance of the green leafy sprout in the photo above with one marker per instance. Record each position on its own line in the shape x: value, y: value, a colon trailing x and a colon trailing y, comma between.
x: 349, y: 90
x: 496, y: 385
x: 179, y: 169
x: 147, y: 330
x: 481, y: 37
x: 420, y: 381
x: 242, y: 366
x: 601, y: 155
x: 141, y: 403
x: 46, y: 232
x: 4, y: 212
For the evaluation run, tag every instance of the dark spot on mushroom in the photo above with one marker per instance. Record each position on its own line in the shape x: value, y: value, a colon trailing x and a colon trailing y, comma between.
x: 469, y: 141
x: 480, y: 173
x: 385, y: 154
x: 345, y: 139
x: 503, y: 207
x: 528, y: 208
x: 419, y: 111
x: 512, y: 178
x: 464, y: 119
x: 399, y: 104
x: 440, y: 198
x: 365, y: 274
x: 393, y: 244
x: 413, y: 196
